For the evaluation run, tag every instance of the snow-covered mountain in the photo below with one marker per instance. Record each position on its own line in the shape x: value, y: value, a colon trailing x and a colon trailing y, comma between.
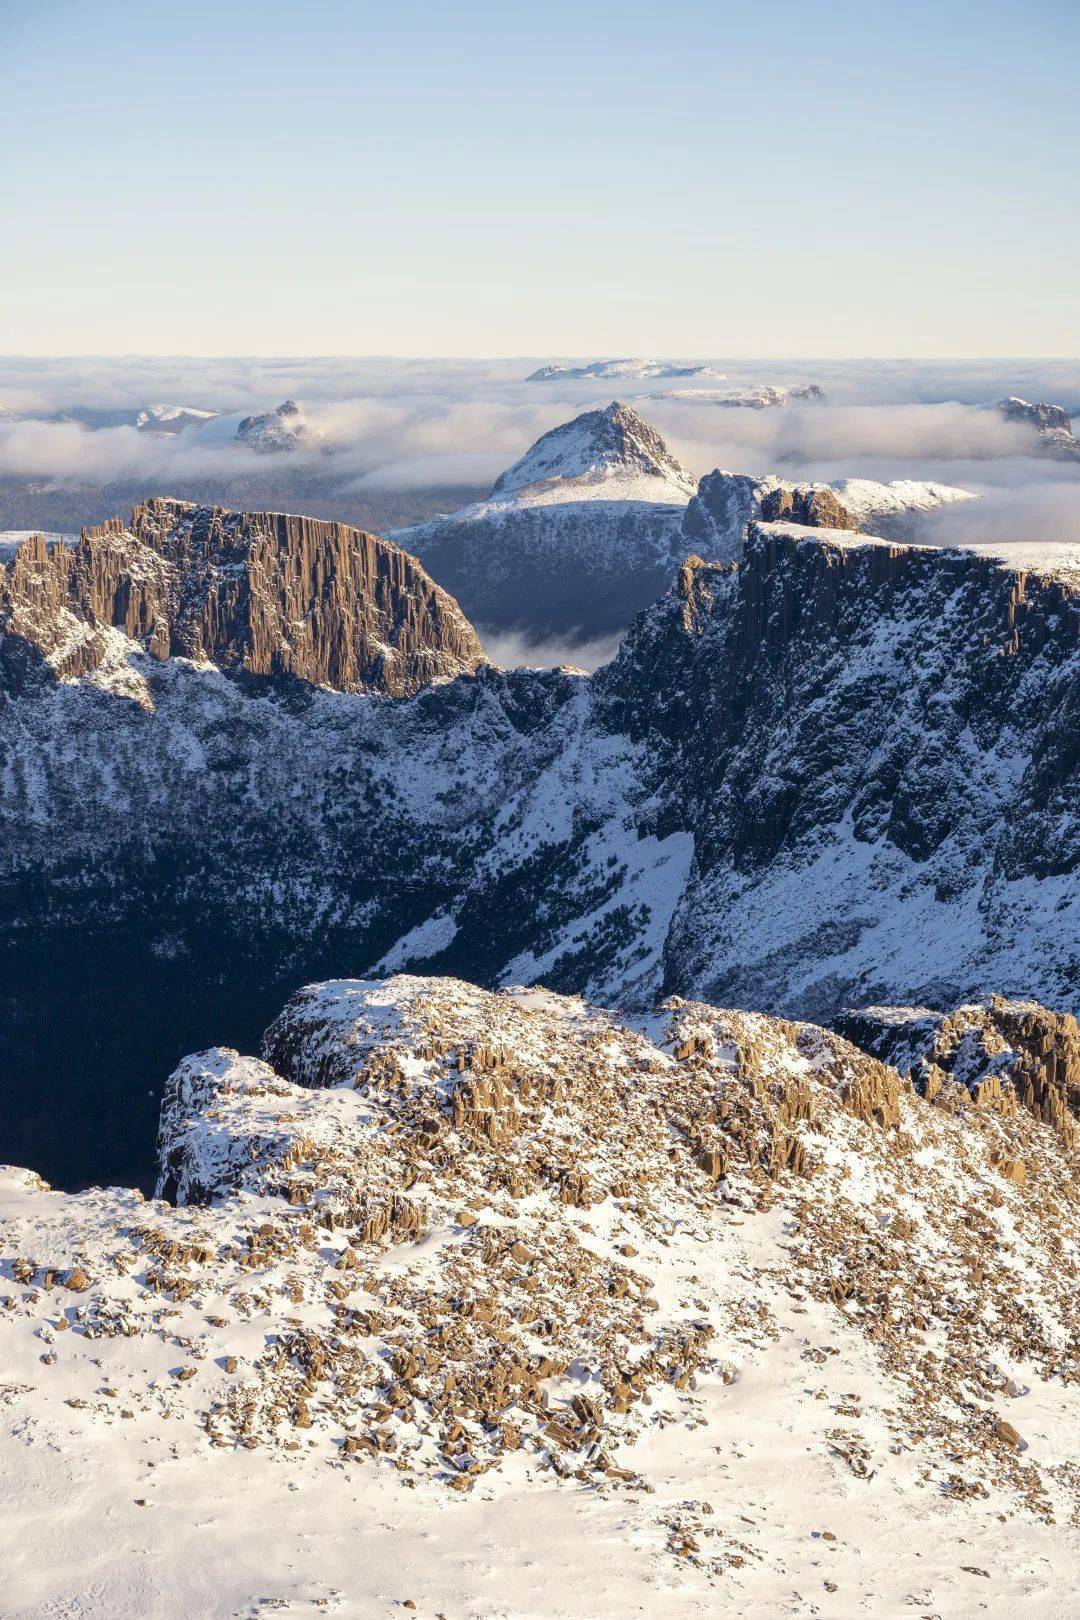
x: 1051, y: 423
x: 288, y: 427
x: 642, y: 1315
x: 577, y: 534
x: 840, y: 771
x: 717, y: 520
x: 621, y: 371
x: 171, y: 418
x: 760, y: 397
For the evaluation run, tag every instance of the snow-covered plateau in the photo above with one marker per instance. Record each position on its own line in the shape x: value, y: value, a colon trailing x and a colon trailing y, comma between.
x: 475, y: 1305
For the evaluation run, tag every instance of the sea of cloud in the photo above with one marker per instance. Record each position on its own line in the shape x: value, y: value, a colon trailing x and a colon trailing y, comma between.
x: 406, y: 426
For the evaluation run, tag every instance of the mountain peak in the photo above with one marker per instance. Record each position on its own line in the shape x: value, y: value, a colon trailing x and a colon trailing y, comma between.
x: 287, y: 427
x: 614, y: 445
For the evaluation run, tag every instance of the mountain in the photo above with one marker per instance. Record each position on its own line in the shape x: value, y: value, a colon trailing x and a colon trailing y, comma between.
x: 172, y: 418
x: 640, y: 1314
x: 261, y: 593
x: 758, y: 398
x: 841, y: 771
x: 285, y: 428
x: 576, y: 534
x: 717, y: 520
x: 1051, y: 423
x: 620, y: 370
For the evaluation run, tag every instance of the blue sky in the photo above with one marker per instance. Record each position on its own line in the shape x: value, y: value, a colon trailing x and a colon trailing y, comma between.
x: 788, y: 177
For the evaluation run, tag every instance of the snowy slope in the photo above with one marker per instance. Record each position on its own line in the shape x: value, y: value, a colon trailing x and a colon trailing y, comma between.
x: 288, y: 427
x: 499, y: 1305
x: 620, y: 370
x: 717, y: 520
x: 577, y: 534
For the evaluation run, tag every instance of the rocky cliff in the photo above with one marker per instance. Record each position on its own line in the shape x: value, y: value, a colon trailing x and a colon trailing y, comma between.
x: 841, y: 771
x: 262, y: 593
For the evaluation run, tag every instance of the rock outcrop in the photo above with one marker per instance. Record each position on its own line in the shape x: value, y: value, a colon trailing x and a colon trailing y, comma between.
x: 999, y: 1053
x: 1051, y: 423
x: 717, y: 520
x: 262, y: 593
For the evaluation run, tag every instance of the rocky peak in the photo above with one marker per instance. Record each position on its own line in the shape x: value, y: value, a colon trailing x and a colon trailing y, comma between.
x: 1036, y: 414
x: 614, y: 446
x: 1051, y: 423
x: 286, y: 428
x: 266, y: 593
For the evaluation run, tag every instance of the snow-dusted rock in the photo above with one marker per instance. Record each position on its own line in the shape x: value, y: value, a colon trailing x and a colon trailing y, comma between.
x: 717, y: 520
x: 576, y: 535
x: 171, y: 418
x: 288, y: 427
x: 1051, y: 423
x: 490, y: 1276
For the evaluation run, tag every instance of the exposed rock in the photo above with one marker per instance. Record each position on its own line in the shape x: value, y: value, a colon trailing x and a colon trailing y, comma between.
x: 815, y: 506
x: 999, y: 1053
x: 264, y: 593
x: 1051, y: 423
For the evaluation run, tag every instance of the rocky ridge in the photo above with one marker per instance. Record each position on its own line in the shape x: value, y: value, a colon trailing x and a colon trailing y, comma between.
x: 478, y: 1245
x: 264, y: 593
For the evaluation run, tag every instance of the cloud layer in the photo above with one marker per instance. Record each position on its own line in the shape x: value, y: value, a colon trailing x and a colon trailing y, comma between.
x: 401, y: 426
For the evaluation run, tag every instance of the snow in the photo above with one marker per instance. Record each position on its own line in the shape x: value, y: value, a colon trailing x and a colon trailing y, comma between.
x: 810, y: 1477
x: 621, y: 370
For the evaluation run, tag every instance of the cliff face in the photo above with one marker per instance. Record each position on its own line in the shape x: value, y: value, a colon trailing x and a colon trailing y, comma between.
x: 265, y: 593
x: 839, y: 772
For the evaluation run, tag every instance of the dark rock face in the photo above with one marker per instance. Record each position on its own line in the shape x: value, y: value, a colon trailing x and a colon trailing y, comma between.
x: 840, y: 772
x: 876, y: 750
x: 998, y: 1053
x: 265, y: 594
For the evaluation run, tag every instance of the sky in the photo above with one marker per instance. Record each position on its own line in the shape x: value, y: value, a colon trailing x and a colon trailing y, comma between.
x: 574, y: 177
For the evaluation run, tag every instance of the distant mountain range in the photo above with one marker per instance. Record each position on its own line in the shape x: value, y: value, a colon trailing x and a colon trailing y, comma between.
x: 620, y: 371
x: 590, y: 525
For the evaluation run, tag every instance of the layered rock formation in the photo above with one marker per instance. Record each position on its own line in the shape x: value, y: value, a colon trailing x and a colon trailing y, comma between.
x: 262, y: 593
